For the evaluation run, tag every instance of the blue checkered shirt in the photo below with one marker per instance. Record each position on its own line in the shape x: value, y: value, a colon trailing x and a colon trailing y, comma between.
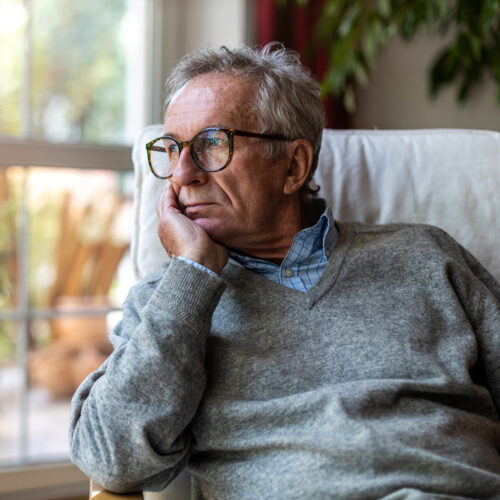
x: 304, y: 262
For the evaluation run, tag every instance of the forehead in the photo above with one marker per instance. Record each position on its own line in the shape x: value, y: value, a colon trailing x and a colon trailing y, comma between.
x: 208, y: 100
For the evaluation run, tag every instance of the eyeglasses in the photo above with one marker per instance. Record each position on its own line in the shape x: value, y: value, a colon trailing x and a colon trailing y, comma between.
x: 211, y: 149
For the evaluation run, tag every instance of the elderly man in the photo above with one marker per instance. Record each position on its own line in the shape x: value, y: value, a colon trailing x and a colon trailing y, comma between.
x: 280, y: 354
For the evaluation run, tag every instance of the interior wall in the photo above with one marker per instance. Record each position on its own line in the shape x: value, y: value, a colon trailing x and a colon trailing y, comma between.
x: 192, y: 24
x: 397, y: 95
x: 214, y: 23
x: 184, y: 26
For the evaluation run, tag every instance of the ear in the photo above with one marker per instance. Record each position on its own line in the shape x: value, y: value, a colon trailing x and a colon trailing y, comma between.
x: 300, y: 158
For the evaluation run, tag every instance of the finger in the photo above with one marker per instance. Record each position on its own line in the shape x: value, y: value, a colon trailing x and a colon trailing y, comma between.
x: 170, y: 196
x: 168, y: 199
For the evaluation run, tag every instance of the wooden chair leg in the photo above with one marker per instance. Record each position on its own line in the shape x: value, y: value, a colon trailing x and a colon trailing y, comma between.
x: 97, y: 492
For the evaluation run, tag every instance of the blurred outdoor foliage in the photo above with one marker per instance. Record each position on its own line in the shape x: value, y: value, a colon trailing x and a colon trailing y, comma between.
x: 9, y: 199
x: 74, y: 73
x: 64, y: 75
x: 355, y: 31
x: 74, y: 242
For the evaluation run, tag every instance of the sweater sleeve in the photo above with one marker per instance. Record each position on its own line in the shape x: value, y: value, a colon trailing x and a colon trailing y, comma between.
x: 486, y: 323
x: 479, y: 293
x: 129, y: 421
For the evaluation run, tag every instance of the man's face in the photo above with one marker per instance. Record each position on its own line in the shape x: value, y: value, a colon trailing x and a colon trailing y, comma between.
x: 240, y: 205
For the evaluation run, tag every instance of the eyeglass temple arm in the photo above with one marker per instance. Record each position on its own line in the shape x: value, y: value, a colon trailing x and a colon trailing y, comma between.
x: 277, y: 137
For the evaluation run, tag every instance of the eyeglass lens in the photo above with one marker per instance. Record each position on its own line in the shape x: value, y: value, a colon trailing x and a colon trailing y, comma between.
x: 210, y: 148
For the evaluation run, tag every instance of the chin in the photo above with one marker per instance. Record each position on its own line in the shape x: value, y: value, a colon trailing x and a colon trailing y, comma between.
x: 215, y: 230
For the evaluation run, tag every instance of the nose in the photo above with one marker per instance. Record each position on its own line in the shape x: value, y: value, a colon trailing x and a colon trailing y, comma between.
x: 186, y: 172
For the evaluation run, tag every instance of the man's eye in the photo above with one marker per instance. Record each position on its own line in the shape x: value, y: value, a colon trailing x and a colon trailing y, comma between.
x: 172, y: 148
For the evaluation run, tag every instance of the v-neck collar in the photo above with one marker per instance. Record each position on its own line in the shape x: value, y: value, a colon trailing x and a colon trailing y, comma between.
x: 237, y: 275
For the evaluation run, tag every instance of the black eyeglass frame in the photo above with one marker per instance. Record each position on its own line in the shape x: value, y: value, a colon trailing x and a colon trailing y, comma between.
x: 230, y: 132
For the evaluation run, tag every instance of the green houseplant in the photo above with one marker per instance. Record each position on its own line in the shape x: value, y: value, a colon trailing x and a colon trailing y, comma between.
x: 355, y: 31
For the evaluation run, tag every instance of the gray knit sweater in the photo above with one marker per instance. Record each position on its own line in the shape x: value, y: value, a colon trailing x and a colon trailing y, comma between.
x: 381, y: 381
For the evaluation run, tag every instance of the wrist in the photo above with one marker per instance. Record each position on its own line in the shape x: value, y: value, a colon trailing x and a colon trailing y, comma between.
x: 213, y: 261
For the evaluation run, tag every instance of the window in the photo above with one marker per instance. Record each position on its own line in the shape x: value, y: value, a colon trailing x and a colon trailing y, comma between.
x: 75, y: 87
x: 62, y: 275
x: 78, y: 79
x: 72, y: 72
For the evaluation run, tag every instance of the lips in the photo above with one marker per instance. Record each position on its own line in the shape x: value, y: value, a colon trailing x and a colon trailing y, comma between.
x: 196, y: 209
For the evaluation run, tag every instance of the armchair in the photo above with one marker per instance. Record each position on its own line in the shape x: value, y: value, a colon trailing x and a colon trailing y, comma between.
x: 449, y: 178
x: 446, y: 177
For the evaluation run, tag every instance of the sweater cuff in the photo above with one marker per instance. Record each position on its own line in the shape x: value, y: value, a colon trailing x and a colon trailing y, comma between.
x: 188, y: 293
x: 196, y: 264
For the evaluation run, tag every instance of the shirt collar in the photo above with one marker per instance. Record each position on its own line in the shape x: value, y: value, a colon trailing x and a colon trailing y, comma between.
x: 321, y: 234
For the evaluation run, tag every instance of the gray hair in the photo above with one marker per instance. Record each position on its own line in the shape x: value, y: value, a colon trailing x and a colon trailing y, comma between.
x: 287, y: 100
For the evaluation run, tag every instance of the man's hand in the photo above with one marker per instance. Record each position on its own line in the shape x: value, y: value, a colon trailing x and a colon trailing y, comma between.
x: 182, y: 237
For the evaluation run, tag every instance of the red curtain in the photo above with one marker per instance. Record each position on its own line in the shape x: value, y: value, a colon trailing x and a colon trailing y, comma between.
x: 293, y: 26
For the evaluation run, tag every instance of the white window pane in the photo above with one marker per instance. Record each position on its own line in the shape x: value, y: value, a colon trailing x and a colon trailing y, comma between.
x: 73, y: 71
x: 12, y: 29
x: 57, y: 365
x: 78, y: 234
x: 9, y: 224
x: 11, y: 393
x: 78, y: 237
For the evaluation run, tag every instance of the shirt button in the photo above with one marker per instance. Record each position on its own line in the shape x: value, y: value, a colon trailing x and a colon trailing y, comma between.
x: 327, y: 253
x: 289, y: 272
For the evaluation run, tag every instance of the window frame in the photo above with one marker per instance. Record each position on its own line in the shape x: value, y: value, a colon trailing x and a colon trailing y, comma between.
x: 27, y: 475
x: 60, y: 478
x: 30, y: 153
x: 166, y: 41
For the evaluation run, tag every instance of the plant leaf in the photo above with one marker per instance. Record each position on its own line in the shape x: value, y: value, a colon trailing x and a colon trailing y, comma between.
x: 349, y: 100
x: 384, y: 8
x: 489, y: 13
x: 445, y: 68
x: 350, y: 18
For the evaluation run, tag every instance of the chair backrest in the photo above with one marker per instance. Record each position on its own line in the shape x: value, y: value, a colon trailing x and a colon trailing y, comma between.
x: 449, y: 178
